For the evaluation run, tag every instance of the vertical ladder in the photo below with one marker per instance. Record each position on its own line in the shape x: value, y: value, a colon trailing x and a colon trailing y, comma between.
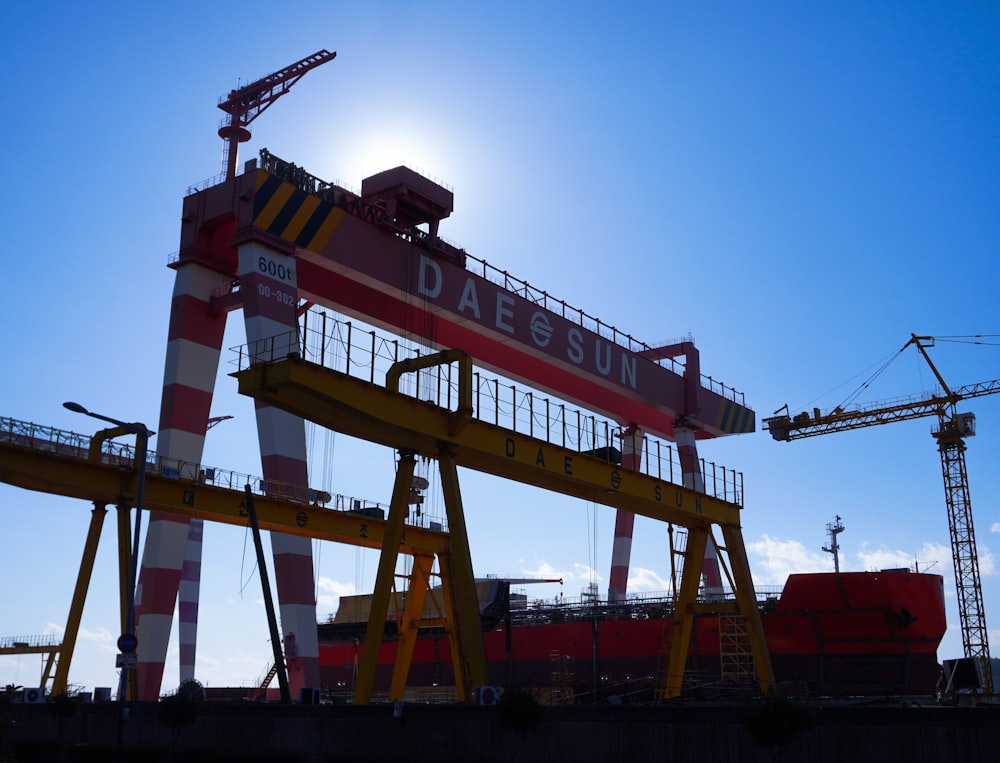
x: 678, y: 547
x: 562, y: 676
x: 736, y: 658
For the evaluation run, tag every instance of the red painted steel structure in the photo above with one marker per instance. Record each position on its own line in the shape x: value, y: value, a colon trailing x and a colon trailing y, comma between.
x: 853, y: 633
x: 276, y: 235
x: 245, y: 104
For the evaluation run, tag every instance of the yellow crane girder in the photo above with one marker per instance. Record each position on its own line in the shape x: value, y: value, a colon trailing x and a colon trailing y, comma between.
x: 363, y: 409
x: 371, y: 412
x: 106, y: 484
x: 72, y: 475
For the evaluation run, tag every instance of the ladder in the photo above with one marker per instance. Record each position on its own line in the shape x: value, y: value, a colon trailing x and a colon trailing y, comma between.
x: 562, y: 676
x: 260, y: 691
x: 736, y: 658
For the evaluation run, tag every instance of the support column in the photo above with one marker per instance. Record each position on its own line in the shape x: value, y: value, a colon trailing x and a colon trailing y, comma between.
x: 459, y: 587
x: 408, y: 622
x: 270, y: 300
x: 633, y: 440
x: 194, y: 344
x: 379, y: 609
x: 61, y: 680
x: 687, y: 451
x: 187, y: 599
x: 684, y: 611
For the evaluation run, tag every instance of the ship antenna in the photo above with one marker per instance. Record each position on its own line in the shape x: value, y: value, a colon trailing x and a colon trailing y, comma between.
x: 834, y: 529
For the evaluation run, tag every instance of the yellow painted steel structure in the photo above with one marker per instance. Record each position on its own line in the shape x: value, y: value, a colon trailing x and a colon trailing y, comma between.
x: 67, y: 472
x: 383, y: 415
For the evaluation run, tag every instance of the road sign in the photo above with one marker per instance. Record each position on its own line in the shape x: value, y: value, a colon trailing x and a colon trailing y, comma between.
x: 127, y: 642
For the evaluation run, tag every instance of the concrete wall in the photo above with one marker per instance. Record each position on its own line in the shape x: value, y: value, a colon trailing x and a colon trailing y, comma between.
x: 459, y: 734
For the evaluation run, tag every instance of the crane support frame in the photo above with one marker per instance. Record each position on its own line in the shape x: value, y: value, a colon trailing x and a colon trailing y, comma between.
x: 48, y: 465
x: 965, y: 556
x: 364, y: 409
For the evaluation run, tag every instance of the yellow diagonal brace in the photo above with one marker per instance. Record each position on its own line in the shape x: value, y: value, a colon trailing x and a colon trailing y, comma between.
x: 410, y: 621
x: 60, y: 682
x: 469, y: 650
x: 398, y: 510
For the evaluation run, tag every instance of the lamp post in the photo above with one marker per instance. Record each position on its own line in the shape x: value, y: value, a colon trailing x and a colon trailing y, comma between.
x: 142, y: 435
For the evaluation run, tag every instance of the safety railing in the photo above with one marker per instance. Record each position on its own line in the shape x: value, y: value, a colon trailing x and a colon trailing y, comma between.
x: 365, y: 354
x: 73, y: 445
x: 29, y: 642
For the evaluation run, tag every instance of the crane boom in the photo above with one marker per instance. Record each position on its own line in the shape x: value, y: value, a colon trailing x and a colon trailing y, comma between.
x: 245, y: 104
x: 953, y: 428
x: 785, y: 427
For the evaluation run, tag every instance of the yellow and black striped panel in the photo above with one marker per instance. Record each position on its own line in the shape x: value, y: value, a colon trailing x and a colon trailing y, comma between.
x: 293, y: 214
x: 734, y: 418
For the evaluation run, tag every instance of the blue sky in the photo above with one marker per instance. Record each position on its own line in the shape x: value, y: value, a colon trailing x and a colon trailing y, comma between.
x: 798, y: 185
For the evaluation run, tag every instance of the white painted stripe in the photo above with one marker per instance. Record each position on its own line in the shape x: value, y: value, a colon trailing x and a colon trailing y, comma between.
x: 621, y: 551
x: 164, y: 547
x: 283, y: 543
x: 300, y: 619
x: 176, y: 443
x: 191, y: 364
x: 197, y: 281
x: 153, y: 635
x: 281, y: 434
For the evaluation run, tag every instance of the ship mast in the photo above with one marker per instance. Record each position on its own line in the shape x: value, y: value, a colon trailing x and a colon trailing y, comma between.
x: 834, y: 529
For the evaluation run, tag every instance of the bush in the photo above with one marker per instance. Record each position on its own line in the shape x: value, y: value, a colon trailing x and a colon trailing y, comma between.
x: 773, y: 721
x: 518, y: 709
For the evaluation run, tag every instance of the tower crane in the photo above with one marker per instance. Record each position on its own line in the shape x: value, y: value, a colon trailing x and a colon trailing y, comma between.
x: 245, y: 104
x: 953, y: 427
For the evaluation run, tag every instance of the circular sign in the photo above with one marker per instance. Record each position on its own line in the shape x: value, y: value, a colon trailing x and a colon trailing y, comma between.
x: 127, y: 642
x: 616, y: 480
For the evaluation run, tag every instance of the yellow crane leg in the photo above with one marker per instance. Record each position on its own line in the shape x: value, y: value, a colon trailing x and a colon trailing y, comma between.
x: 746, y: 600
x: 468, y: 649
x: 398, y: 510
x: 61, y: 680
x: 47, y: 670
x: 684, y: 610
x: 409, y: 622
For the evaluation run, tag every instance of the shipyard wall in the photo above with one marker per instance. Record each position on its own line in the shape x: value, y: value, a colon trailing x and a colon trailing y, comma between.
x: 464, y: 734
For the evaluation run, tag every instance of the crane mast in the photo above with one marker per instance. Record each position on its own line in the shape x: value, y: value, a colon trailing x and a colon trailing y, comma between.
x: 953, y: 427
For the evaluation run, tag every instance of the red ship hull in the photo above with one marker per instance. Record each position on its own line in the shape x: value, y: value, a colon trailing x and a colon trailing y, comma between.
x: 847, y: 634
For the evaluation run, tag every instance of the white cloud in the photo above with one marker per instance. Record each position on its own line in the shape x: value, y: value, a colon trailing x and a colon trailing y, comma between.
x: 579, y: 573
x: 995, y: 527
x: 987, y: 562
x: 776, y: 559
x: 882, y: 558
x: 642, y: 579
x: 331, y: 590
x: 100, y: 636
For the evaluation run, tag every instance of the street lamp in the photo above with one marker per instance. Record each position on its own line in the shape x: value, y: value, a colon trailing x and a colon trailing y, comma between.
x: 142, y: 435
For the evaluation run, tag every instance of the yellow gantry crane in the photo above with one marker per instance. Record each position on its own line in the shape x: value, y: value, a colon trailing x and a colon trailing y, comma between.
x: 953, y: 428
